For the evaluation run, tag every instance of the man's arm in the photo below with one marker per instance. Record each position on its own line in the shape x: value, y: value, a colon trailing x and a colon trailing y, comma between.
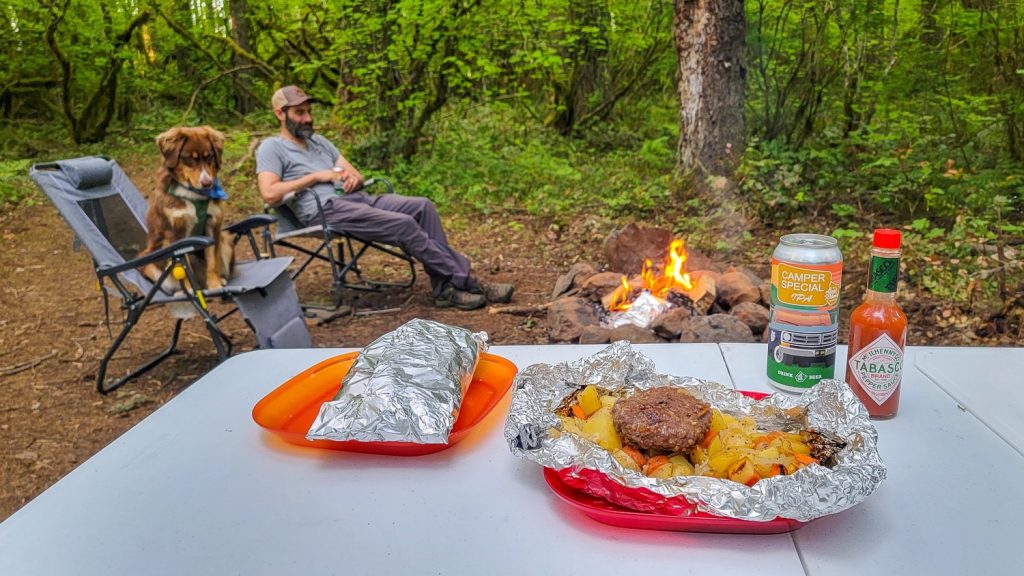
x: 273, y: 190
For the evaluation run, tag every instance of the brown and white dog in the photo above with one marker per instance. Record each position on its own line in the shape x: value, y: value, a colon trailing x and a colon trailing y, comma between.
x: 188, y: 201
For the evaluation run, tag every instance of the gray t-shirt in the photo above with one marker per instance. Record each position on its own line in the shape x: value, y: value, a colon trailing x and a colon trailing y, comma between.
x: 290, y: 161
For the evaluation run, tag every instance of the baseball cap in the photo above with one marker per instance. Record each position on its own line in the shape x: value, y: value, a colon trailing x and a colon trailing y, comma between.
x: 290, y: 96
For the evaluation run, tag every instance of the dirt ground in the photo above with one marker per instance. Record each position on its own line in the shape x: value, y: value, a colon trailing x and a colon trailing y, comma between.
x: 52, y: 330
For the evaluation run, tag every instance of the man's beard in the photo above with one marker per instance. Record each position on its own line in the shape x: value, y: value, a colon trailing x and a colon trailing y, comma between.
x: 300, y: 131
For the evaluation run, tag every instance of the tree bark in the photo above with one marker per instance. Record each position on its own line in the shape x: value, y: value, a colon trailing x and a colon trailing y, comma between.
x: 244, y: 102
x: 709, y: 37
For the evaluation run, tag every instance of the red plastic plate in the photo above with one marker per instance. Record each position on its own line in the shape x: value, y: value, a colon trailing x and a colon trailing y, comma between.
x: 608, y: 513
x: 290, y: 409
x: 604, y: 511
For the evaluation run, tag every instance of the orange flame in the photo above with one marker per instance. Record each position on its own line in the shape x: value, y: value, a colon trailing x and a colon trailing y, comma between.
x: 622, y: 298
x: 673, y: 275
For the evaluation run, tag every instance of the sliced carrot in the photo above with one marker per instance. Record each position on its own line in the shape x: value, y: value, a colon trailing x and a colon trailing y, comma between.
x: 635, y: 454
x: 775, y: 470
x: 578, y: 412
x: 766, y: 439
x: 708, y: 438
x: 804, y: 458
x: 753, y: 480
x: 654, y: 463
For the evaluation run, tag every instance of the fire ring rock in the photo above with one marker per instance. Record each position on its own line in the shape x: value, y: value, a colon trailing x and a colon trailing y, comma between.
x: 753, y: 315
x: 715, y: 328
x: 600, y: 284
x: 568, y: 316
x: 570, y: 282
x: 670, y: 324
x: 634, y: 334
x: 735, y: 288
x: 626, y: 249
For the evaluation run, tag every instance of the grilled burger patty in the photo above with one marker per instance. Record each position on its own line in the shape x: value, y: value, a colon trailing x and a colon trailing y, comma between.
x: 664, y: 418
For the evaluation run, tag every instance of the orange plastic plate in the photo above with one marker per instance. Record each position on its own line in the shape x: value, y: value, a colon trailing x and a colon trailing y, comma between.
x: 290, y: 409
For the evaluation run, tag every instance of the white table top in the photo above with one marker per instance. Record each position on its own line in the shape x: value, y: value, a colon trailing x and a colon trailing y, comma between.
x: 199, y: 488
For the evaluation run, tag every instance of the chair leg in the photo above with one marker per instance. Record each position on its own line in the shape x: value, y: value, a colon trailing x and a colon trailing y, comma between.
x: 221, y: 341
x: 105, y: 388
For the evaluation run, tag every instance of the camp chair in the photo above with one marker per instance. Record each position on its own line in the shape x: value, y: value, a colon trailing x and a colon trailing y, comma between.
x: 107, y: 214
x: 340, y: 249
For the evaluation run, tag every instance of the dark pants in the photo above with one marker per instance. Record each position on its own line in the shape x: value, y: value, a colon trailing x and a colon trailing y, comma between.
x: 410, y: 222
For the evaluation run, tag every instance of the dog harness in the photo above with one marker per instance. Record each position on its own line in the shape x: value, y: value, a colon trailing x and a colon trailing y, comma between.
x: 215, y: 192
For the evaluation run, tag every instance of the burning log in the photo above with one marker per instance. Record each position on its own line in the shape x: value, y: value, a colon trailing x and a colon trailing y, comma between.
x: 703, y: 295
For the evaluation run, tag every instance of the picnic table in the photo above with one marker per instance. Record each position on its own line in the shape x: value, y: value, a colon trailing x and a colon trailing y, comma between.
x: 198, y: 488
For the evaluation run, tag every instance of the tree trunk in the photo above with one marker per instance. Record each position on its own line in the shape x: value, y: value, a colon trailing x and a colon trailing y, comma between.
x: 587, y: 57
x: 244, y: 102
x: 711, y: 75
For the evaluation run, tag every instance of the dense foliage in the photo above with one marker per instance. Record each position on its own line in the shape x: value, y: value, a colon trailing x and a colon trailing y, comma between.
x: 859, y: 112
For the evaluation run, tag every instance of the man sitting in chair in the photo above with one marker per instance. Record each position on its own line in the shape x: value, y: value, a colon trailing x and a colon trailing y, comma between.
x: 298, y: 163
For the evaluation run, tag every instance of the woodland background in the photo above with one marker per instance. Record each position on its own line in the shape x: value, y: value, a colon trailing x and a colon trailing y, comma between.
x: 855, y: 114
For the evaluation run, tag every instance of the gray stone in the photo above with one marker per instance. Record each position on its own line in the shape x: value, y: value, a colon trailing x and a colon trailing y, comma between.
x: 570, y: 281
x: 634, y: 334
x: 626, y: 249
x: 696, y: 260
x: 715, y: 328
x: 599, y: 284
x: 754, y: 278
x: 734, y: 288
x: 696, y: 275
x: 595, y: 335
x: 670, y: 324
x: 751, y: 314
x: 568, y: 316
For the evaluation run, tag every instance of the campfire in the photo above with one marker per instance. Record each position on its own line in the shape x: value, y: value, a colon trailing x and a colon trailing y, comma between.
x: 673, y: 275
x: 686, y: 297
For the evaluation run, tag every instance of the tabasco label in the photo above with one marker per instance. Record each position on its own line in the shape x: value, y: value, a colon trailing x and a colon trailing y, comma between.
x: 878, y: 368
x: 806, y: 286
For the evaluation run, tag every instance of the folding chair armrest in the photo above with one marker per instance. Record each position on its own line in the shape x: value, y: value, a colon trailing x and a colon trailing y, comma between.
x: 183, y: 246
x: 370, y: 182
x: 254, y: 221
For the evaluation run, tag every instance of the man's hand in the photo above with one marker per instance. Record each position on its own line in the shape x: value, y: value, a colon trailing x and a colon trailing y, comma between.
x: 350, y: 181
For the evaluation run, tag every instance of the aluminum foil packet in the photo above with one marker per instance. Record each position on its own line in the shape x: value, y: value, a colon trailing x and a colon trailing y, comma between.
x: 406, y: 386
x: 534, y: 431
x: 646, y: 307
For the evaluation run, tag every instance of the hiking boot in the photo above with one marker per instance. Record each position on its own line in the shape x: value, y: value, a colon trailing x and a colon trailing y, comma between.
x: 497, y: 293
x: 453, y: 297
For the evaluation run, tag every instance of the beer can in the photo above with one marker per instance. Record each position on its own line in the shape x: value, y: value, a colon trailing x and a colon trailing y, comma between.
x: 803, y: 323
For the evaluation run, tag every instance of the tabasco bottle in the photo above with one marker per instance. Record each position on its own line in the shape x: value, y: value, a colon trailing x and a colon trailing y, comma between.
x: 878, y: 332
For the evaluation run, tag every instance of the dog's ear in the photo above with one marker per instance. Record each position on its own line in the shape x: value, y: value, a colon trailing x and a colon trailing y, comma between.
x: 170, y: 144
x: 217, y: 141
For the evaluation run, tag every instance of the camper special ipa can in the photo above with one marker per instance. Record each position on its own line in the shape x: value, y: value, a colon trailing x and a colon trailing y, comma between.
x: 803, y: 324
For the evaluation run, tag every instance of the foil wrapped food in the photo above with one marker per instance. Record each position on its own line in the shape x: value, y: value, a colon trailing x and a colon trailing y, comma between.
x: 406, y: 386
x: 534, y: 431
x: 645, y: 308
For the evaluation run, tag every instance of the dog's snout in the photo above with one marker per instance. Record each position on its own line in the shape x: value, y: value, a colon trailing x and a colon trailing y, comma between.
x: 205, y: 180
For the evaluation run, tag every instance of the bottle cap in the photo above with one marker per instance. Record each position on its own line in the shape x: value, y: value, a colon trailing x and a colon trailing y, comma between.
x: 887, y: 238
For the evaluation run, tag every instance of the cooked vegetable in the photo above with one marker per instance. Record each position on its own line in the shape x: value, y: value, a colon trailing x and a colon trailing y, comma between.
x: 600, y: 429
x: 589, y: 400
x: 733, y: 448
